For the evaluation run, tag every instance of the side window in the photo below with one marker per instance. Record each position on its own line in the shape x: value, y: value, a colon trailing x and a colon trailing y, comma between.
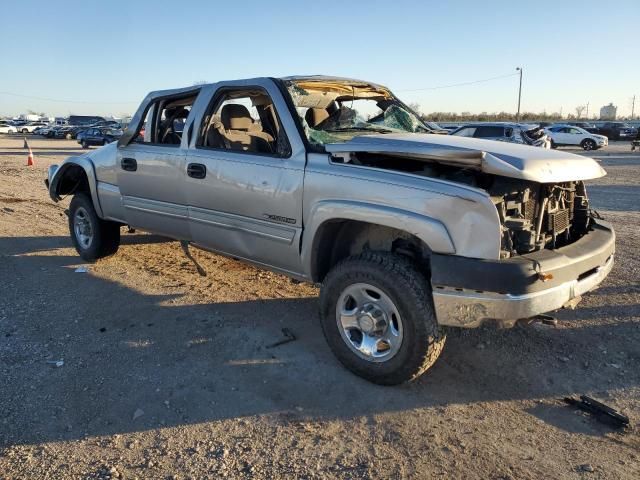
x: 246, y: 121
x: 466, y: 132
x: 489, y: 132
x: 508, y: 132
x: 164, y: 121
x: 574, y: 131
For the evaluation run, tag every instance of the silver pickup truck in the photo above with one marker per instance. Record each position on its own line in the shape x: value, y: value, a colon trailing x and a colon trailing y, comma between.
x: 336, y: 181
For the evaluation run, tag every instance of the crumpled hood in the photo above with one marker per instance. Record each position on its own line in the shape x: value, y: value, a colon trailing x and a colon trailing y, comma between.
x: 499, y: 158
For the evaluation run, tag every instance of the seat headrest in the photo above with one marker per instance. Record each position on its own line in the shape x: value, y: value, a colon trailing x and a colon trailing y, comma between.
x: 236, y: 117
x: 315, y: 116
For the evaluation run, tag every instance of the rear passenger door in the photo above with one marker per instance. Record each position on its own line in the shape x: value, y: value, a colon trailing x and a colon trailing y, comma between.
x: 151, y: 168
x: 245, y: 172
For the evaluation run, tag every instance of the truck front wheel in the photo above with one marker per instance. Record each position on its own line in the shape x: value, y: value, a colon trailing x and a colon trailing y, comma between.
x: 377, y: 315
x: 93, y: 237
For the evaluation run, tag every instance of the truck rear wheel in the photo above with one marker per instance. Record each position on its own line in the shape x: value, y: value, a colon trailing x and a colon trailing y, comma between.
x: 377, y: 315
x: 93, y: 237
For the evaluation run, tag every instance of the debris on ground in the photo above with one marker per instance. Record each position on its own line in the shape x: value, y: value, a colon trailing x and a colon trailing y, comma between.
x: 82, y: 269
x: 138, y: 413
x: 601, y: 411
x: 56, y: 363
x: 288, y: 337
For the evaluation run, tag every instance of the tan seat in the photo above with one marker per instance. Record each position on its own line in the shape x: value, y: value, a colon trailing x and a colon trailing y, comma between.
x: 239, y: 132
x: 315, y: 116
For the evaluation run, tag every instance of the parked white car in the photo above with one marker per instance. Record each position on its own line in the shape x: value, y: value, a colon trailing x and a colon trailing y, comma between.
x: 30, y: 127
x: 6, y: 128
x: 569, y: 135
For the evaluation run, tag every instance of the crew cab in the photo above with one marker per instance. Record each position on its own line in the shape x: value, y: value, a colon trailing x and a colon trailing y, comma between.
x: 337, y: 182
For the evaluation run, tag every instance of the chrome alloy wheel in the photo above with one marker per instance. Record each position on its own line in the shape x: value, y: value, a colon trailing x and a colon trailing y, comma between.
x: 82, y: 228
x: 369, y: 322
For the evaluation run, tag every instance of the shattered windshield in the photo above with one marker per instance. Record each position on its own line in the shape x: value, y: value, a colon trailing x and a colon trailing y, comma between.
x: 334, y: 111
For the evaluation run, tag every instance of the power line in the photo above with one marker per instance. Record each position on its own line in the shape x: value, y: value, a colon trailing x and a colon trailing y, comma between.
x: 65, y: 101
x: 459, y: 84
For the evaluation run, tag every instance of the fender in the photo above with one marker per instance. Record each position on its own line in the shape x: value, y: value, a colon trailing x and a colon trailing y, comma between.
x: 57, y: 173
x: 431, y: 231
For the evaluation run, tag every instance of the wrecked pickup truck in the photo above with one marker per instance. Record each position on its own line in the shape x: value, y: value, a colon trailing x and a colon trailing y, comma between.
x: 337, y: 182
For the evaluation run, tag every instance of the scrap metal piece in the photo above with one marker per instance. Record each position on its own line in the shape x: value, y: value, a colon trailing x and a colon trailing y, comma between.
x: 601, y: 411
x: 288, y: 337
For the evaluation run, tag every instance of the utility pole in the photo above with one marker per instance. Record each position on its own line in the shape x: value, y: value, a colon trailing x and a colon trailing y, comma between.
x: 587, y: 116
x: 519, y: 69
x: 633, y: 106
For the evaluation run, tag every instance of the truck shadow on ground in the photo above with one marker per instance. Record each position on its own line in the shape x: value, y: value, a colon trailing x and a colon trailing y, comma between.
x: 127, y: 352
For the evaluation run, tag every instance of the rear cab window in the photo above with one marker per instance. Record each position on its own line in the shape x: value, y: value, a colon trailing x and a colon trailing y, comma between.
x: 164, y: 121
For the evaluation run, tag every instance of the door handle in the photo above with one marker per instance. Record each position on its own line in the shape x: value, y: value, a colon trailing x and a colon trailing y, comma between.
x: 129, y: 164
x: 196, y: 170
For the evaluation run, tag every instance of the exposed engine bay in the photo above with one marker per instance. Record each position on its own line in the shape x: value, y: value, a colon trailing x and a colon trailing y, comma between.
x: 533, y: 215
x: 536, y: 216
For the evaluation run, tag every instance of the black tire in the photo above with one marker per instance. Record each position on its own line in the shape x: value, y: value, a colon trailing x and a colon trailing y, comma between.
x: 409, y: 290
x: 24, y: 130
x: 588, y: 144
x: 105, y: 234
x: 85, y: 144
x: 554, y: 145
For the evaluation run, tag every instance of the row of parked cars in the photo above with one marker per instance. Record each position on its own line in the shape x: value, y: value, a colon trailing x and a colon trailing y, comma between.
x: 582, y: 134
x: 99, y: 133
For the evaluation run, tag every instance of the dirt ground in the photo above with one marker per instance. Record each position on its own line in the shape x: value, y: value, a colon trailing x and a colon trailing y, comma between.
x: 167, y: 374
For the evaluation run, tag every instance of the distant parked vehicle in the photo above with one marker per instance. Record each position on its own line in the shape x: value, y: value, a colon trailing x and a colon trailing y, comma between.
x: 30, y: 127
x: 589, y: 127
x: 563, y: 135
x: 506, y: 132
x: 43, y: 131
x: 617, y: 131
x: 52, y: 132
x: 98, y: 136
x: 68, y: 132
x: 449, y: 127
x: 435, y: 128
x: 6, y: 128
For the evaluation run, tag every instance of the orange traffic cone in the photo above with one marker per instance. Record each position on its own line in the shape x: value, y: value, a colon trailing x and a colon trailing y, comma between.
x: 30, y: 161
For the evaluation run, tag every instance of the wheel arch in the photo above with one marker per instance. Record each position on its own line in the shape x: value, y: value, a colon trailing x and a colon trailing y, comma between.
x: 333, y: 236
x: 74, y: 175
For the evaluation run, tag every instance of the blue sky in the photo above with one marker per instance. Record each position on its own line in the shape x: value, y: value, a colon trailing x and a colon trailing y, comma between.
x: 103, y: 57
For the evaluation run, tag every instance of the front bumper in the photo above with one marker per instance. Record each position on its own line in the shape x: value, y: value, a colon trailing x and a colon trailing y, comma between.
x: 468, y: 292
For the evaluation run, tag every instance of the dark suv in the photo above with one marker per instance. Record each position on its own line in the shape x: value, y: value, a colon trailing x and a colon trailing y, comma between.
x: 617, y: 131
x: 98, y: 136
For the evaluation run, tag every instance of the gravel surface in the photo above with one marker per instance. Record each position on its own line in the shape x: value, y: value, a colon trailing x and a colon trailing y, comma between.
x: 141, y: 368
